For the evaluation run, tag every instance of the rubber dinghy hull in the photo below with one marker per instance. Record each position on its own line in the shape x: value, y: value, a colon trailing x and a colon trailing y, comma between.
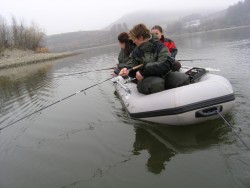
x: 190, y: 104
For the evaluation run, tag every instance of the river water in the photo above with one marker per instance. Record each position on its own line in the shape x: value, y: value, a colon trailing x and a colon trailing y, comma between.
x: 88, y: 140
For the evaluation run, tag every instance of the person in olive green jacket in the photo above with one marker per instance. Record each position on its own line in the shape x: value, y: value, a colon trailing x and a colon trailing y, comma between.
x: 153, y: 56
x: 127, y: 46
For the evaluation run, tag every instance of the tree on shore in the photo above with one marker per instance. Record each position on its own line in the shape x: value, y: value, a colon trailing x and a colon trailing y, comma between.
x: 3, y: 33
x: 18, y: 35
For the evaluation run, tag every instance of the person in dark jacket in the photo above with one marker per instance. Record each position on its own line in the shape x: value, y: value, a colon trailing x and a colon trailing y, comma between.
x: 153, y: 56
x: 127, y: 46
x: 157, y: 30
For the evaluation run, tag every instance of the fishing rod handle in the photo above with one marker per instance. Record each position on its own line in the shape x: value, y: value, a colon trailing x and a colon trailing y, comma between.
x: 133, y: 68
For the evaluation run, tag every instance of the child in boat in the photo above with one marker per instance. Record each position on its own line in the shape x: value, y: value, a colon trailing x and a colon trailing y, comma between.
x: 153, y: 56
x: 157, y: 30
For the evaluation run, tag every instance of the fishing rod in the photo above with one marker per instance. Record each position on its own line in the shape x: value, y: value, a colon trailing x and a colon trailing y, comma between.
x: 110, y: 68
x: 39, y: 110
x: 231, y: 127
x: 196, y: 60
x: 134, y: 68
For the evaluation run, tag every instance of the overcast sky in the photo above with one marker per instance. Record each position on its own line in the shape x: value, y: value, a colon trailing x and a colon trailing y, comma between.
x: 60, y: 16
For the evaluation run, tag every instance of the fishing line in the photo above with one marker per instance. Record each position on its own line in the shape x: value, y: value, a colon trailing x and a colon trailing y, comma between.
x: 229, y: 125
x: 136, y: 67
x: 196, y: 60
x: 39, y: 110
x: 70, y: 74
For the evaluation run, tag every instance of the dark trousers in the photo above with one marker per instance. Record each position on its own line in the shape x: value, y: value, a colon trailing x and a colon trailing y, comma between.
x: 152, y: 84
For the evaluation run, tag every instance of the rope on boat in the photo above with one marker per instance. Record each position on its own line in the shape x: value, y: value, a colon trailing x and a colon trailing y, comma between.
x: 230, y: 126
x: 39, y: 110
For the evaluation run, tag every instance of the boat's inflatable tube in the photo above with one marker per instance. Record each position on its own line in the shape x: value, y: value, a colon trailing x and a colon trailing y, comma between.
x: 190, y: 104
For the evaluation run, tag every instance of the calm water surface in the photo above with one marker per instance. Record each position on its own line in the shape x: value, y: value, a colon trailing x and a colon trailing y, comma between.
x: 88, y: 140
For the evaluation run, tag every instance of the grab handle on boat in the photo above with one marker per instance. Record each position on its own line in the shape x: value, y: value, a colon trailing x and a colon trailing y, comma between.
x: 206, y: 112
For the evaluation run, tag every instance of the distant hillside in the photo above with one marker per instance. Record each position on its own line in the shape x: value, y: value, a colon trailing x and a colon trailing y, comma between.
x: 238, y: 14
x: 86, y: 39
x: 151, y: 18
x: 78, y: 40
x: 148, y: 18
x: 172, y: 22
x: 233, y: 16
x: 216, y: 15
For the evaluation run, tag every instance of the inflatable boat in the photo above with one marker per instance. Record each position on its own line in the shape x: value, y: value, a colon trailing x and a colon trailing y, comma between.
x: 196, y: 102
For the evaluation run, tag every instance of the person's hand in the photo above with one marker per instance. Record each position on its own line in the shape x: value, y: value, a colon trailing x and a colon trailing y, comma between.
x: 124, y: 72
x: 139, y: 76
x: 176, y: 65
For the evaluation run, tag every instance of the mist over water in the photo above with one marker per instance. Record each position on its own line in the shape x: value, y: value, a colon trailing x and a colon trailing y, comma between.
x: 89, y: 141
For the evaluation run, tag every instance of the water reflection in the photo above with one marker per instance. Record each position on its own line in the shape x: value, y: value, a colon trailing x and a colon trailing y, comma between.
x: 163, y: 143
x: 160, y: 151
x: 19, y: 89
x: 206, y: 40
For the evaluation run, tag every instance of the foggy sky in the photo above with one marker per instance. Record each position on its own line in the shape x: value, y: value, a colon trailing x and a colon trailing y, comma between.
x: 60, y: 16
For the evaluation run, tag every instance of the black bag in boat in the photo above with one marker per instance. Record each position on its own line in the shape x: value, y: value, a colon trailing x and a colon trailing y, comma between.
x: 176, y: 79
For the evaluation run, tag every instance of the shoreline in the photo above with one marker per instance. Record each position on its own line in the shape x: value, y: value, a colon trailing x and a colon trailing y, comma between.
x: 209, y: 31
x: 16, y: 57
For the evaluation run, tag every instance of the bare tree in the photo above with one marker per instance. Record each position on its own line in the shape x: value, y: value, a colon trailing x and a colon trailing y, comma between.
x: 26, y: 37
x: 3, y: 33
x: 36, y: 36
x: 21, y: 33
x: 14, y: 29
